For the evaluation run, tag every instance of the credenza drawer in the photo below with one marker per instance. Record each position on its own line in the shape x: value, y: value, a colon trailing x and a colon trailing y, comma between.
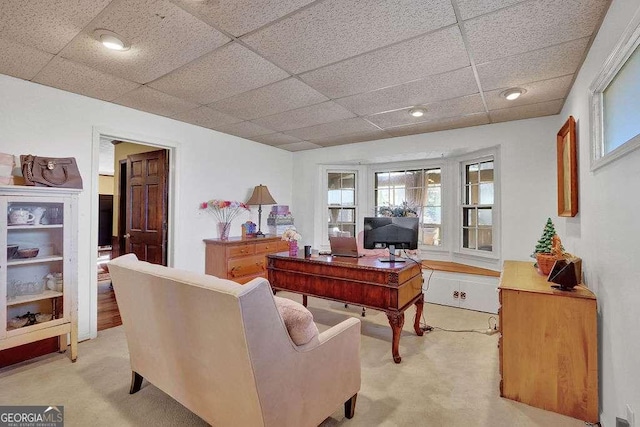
x: 246, y: 266
x: 271, y: 247
x: 241, y: 250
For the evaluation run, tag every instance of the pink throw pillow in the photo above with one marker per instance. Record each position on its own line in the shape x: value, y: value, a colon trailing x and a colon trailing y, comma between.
x: 297, y: 319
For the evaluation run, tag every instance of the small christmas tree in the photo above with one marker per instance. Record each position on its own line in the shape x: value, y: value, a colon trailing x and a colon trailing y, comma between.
x: 546, y: 241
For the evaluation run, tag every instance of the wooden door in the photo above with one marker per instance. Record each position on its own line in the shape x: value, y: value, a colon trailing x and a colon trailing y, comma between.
x: 146, y: 212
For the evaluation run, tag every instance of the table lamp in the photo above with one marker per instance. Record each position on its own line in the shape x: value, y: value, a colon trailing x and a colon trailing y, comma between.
x: 260, y: 196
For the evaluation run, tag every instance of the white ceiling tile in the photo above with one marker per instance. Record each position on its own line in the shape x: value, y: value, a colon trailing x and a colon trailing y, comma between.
x: 80, y: 79
x: 546, y: 90
x: 340, y: 127
x: 276, y: 139
x: 533, y: 66
x: 439, y: 125
x: 228, y: 71
x: 531, y: 25
x: 299, y: 146
x: 351, y: 138
x: 443, y: 86
x: 153, y: 101
x: 206, y: 117
x: 527, y: 111
x: 333, y: 30
x: 244, y: 129
x: 439, y: 110
x: 472, y: 8
x: 46, y: 24
x: 21, y: 61
x: 163, y: 37
x: 423, y: 56
x: 305, y: 117
x: 239, y: 17
x: 275, y: 98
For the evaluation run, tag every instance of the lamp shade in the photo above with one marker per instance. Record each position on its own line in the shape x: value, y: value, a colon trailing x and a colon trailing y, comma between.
x: 261, y: 196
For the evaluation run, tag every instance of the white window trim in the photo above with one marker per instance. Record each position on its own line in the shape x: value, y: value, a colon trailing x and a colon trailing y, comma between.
x: 459, y: 251
x: 444, y: 185
x: 627, y: 44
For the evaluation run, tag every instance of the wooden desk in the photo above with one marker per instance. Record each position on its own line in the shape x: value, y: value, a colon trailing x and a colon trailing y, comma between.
x: 367, y: 282
x: 548, y: 347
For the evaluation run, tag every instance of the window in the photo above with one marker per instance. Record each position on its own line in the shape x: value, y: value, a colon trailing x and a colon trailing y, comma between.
x: 416, y: 192
x: 341, y: 202
x: 615, y: 100
x: 477, y: 206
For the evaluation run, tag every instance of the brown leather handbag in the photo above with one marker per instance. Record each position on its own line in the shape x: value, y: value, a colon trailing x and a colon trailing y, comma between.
x: 50, y: 171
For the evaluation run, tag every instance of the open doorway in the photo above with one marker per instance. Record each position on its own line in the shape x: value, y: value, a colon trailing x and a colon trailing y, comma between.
x: 132, y: 213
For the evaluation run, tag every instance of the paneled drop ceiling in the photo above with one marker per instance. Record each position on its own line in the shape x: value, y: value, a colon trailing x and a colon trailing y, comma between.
x: 302, y: 74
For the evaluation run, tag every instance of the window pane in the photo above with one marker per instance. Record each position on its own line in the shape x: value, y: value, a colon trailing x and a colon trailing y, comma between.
x: 414, y: 178
x: 485, y: 239
x: 469, y: 238
x: 430, y: 236
x: 486, y: 172
x: 472, y: 174
x: 621, y: 102
x: 470, y: 217
x: 346, y: 215
x: 348, y: 197
x: 334, y: 180
x: 486, y: 194
x: 349, y: 180
x: 334, y: 197
x: 484, y: 216
x: 432, y: 215
x: 471, y: 195
x: 433, y: 177
x: 433, y: 196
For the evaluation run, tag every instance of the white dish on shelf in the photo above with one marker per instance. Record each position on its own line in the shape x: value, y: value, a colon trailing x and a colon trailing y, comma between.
x: 17, y: 322
x: 43, y: 317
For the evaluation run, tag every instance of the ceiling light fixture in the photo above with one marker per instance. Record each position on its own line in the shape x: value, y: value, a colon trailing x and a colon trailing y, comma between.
x: 513, y: 93
x: 417, y: 111
x: 111, y: 40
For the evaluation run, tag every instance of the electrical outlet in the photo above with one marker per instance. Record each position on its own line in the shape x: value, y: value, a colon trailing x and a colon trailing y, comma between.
x: 491, y: 331
x: 630, y: 416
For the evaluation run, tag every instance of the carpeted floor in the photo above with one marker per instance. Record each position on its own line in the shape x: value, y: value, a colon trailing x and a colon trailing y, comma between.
x: 445, y: 379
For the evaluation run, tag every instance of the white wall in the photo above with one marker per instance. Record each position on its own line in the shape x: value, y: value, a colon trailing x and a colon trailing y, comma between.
x: 45, y: 121
x: 606, y: 234
x: 528, y: 175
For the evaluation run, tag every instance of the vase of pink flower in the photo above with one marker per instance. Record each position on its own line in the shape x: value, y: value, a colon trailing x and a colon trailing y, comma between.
x: 224, y: 211
x: 292, y: 236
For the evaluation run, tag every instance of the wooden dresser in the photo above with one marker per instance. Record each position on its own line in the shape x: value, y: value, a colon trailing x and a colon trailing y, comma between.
x: 241, y: 259
x: 548, y: 344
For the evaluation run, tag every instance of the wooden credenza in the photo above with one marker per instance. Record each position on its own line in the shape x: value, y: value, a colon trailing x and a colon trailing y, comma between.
x: 241, y: 259
x: 548, y: 344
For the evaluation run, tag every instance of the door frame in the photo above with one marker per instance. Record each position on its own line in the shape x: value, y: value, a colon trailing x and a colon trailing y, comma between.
x: 172, y: 211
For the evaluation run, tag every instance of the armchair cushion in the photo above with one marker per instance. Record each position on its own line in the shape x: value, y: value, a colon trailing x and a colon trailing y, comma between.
x: 297, y: 319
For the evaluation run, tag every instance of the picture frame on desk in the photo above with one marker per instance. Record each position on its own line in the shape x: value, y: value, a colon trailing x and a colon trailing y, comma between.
x: 567, y: 169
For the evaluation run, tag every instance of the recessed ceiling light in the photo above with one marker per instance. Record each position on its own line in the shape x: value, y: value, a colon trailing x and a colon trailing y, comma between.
x: 513, y: 93
x: 417, y: 111
x: 111, y: 40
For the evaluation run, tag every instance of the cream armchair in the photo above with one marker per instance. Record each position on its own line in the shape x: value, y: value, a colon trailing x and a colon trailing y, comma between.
x: 222, y: 349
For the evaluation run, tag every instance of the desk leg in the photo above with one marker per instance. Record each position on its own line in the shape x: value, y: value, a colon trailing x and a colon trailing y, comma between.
x: 396, y: 321
x: 416, y: 322
x: 304, y: 300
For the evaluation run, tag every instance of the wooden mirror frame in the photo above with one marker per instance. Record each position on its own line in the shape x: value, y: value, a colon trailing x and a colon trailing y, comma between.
x: 567, y: 169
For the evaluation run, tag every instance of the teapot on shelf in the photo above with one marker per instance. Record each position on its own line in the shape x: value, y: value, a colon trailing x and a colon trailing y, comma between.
x: 20, y: 217
x: 38, y: 214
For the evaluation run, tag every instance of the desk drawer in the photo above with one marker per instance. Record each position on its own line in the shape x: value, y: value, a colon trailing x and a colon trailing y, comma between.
x: 241, y: 250
x: 271, y: 247
x: 253, y: 265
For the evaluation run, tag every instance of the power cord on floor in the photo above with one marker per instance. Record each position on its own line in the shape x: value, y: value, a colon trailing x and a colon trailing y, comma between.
x: 492, y: 329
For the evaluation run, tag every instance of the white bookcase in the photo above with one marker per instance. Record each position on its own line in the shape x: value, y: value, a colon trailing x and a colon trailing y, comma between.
x: 24, y: 287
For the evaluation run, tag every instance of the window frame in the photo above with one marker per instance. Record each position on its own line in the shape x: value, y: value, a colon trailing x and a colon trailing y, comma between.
x: 462, y: 162
x: 412, y: 165
x: 626, y: 46
x: 325, y: 186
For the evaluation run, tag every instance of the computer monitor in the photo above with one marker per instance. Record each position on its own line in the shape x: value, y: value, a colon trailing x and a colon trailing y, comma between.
x: 392, y: 233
